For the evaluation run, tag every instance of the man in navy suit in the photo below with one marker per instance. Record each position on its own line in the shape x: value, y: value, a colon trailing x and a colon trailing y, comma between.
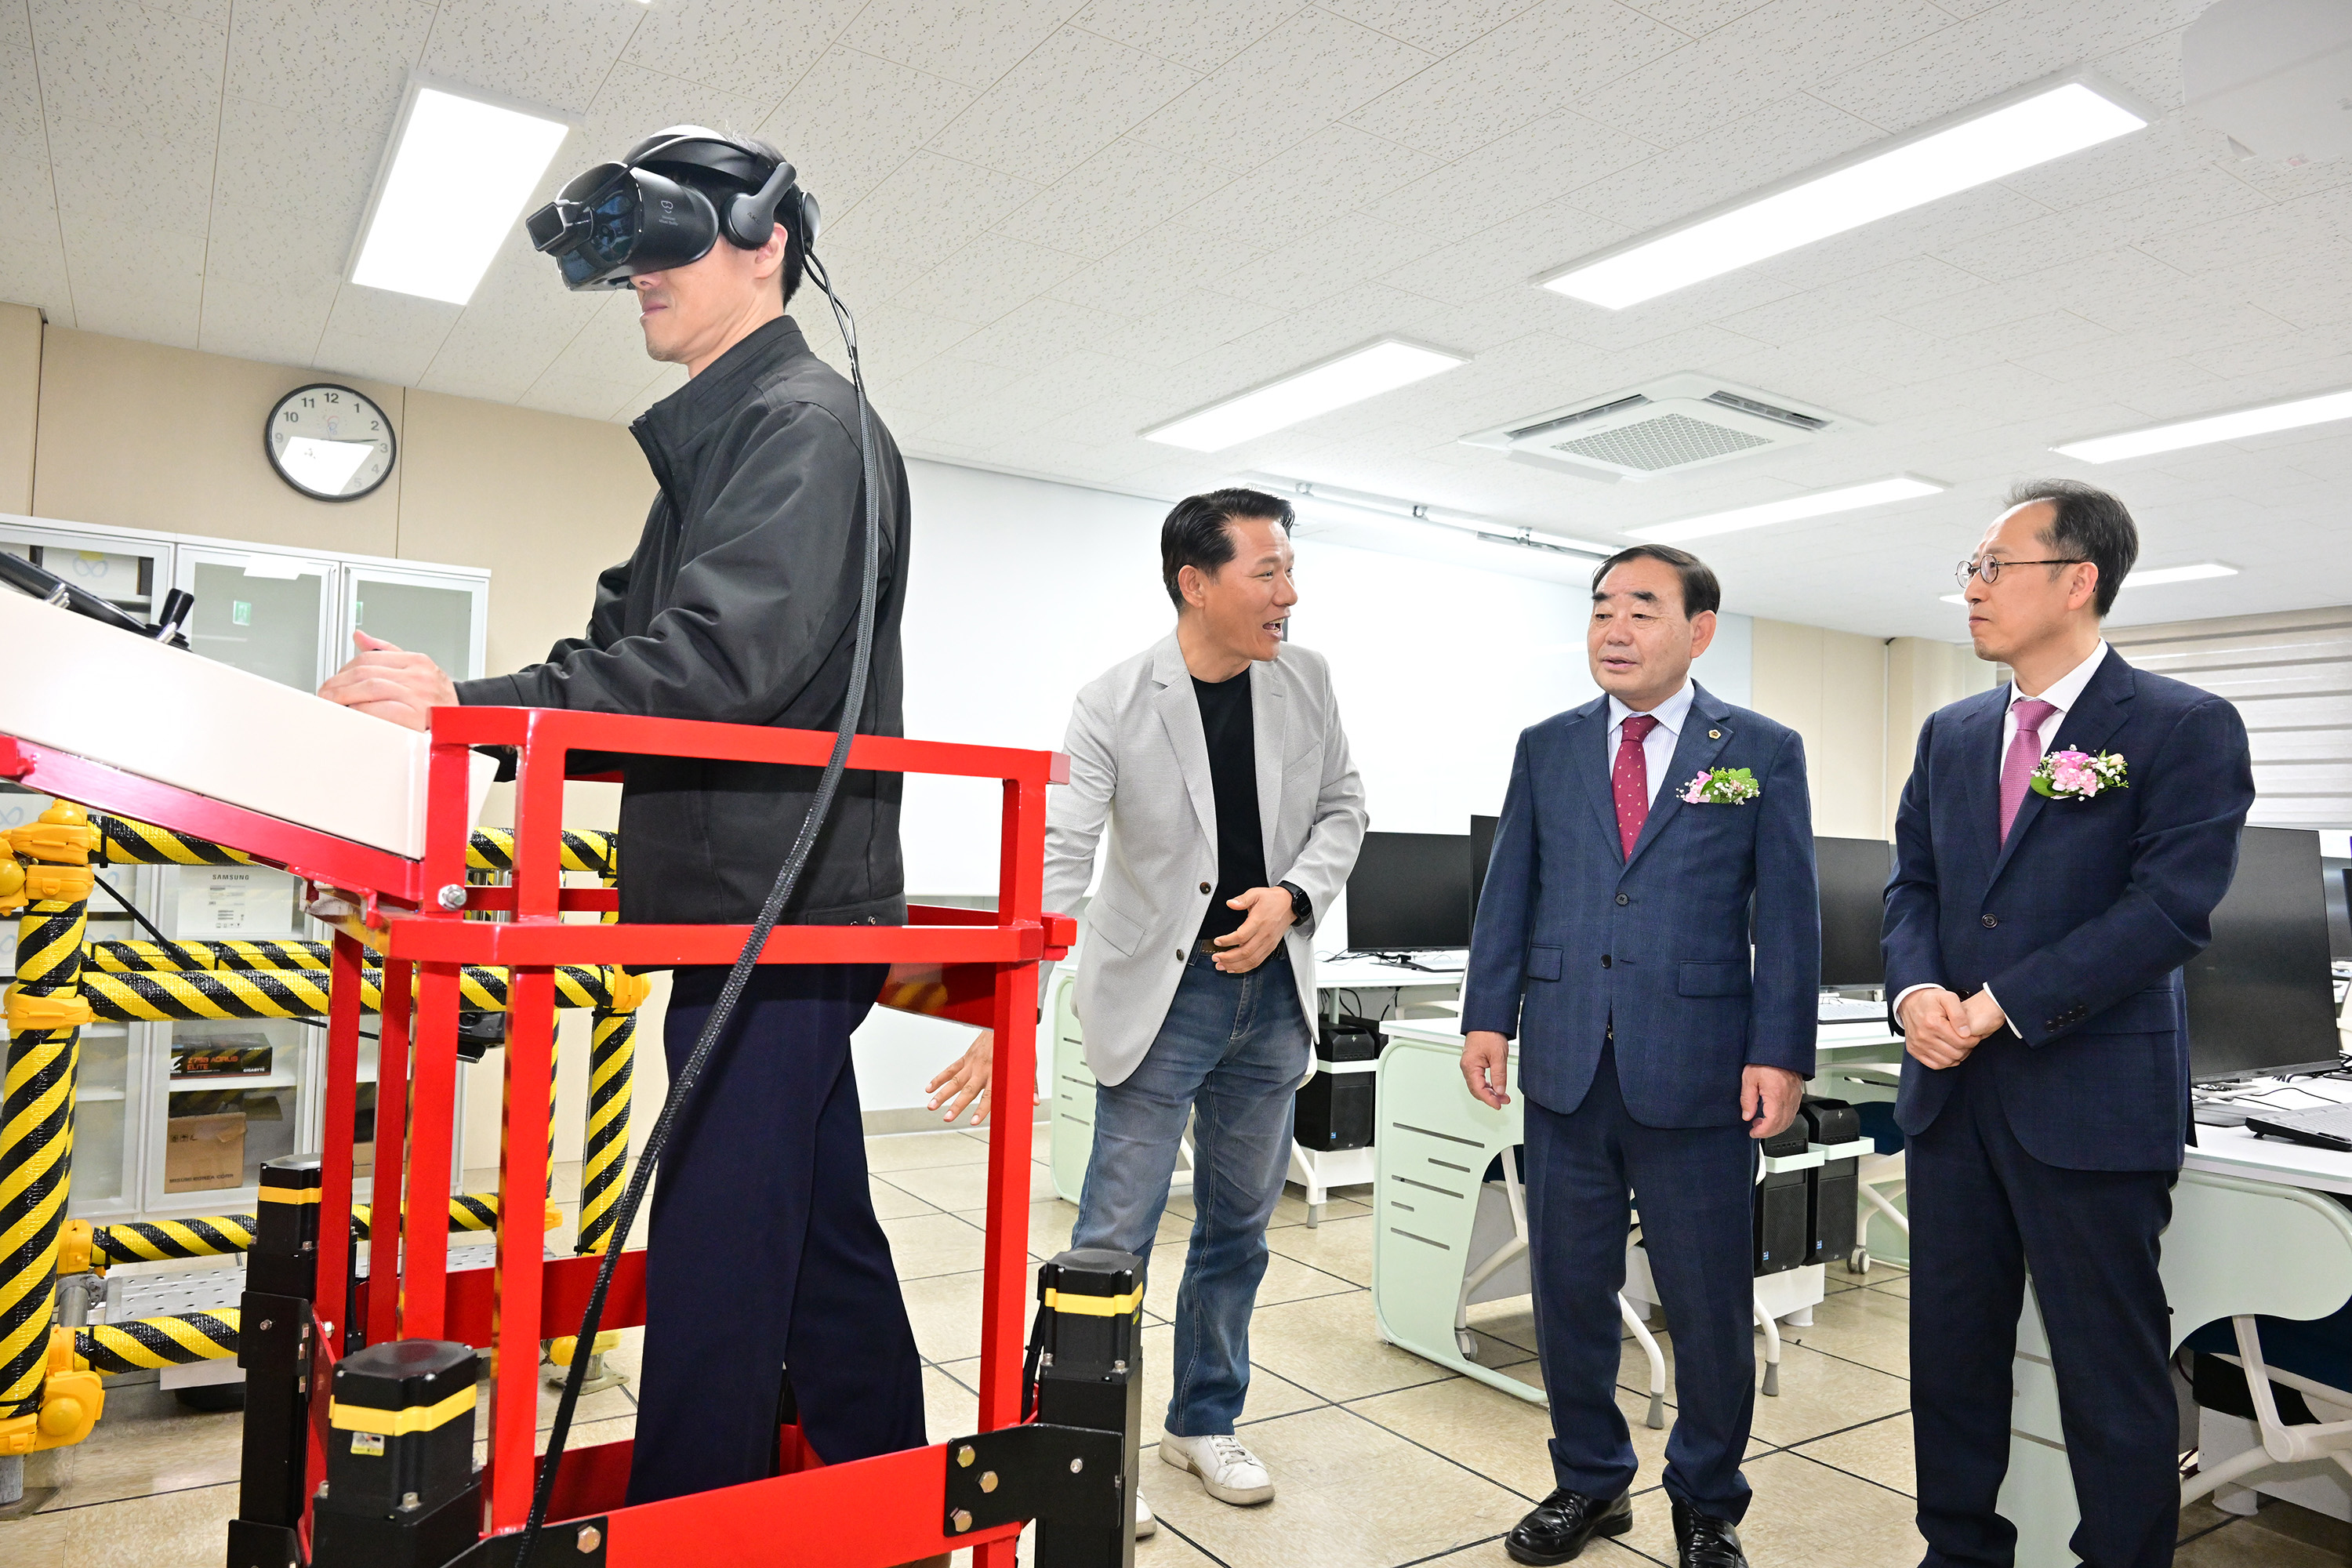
x: 2033, y: 949
x: 1613, y: 939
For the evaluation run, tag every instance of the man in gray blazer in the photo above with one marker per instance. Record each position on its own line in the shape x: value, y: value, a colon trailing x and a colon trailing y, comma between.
x: 1215, y: 762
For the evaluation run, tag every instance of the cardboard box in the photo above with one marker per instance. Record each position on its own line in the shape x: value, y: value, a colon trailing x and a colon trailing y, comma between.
x: 203, y: 1154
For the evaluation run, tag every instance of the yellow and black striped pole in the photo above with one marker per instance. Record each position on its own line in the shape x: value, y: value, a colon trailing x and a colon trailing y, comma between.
x: 182, y: 1339
x: 604, y: 1150
x: 44, y: 1012
x: 151, y: 1241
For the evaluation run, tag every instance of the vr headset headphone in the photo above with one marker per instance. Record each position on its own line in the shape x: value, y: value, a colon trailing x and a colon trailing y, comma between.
x: 649, y: 212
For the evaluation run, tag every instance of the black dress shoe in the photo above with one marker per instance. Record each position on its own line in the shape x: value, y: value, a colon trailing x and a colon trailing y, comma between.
x: 1704, y: 1543
x: 1561, y: 1524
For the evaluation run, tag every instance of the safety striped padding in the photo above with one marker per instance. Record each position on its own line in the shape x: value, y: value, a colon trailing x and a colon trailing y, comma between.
x: 584, y: 849
x: 144, y: 1343
x: 147, y: 1241
x: 134, y: 957
x: 122, y: 842
x: 467, y: 1211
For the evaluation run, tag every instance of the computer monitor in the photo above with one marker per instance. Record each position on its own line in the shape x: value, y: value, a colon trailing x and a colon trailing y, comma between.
x: 1854, y: 874
x: 2336, y: 880
x: 1409, y: 892
x: 2261, y: 997
x: 1482, y: 850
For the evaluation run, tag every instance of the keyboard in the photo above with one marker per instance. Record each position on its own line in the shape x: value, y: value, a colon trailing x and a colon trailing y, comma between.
x: 2322, y: 1127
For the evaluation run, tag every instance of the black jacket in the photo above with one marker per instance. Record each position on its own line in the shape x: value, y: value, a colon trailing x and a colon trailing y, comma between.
x: 741, y: 605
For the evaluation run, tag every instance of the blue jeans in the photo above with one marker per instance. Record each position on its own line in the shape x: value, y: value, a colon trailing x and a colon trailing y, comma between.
x: 1229, y: 1056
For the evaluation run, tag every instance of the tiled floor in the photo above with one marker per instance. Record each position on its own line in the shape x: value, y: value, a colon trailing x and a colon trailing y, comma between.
x: 1380, y: 1459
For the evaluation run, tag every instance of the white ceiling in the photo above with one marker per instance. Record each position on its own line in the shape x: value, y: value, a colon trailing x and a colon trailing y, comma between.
x: 1063, y: 222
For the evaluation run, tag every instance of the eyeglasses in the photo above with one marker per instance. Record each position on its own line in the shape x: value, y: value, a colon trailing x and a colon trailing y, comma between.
x: 1990, y: 568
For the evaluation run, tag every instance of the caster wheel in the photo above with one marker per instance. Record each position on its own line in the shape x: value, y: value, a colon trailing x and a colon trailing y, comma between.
x: 1858, y: 1262
x: 1466, y: 1343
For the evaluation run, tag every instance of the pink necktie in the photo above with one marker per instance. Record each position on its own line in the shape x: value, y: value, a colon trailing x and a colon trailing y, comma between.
x: 2024, y: 756
x: 1630, y: 780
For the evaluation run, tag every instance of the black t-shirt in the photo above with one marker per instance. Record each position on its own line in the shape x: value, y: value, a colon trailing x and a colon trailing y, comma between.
x: 1233, y: 778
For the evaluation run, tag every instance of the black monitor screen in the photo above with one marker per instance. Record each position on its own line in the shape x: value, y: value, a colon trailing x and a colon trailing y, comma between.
x: 2336, y: 880
x: 1409, y: 892
x: 1854, y: 873
x: 2261, y: 996
x: 1482, y: 849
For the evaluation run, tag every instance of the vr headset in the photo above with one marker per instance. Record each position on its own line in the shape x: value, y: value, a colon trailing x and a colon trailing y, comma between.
x: 648, y: 213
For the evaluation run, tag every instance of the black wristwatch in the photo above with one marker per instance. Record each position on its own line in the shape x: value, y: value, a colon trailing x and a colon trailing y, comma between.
x: 1302, y: 907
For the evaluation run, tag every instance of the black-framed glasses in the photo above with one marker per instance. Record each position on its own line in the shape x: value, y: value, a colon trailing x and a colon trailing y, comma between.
x: 1990, y: 568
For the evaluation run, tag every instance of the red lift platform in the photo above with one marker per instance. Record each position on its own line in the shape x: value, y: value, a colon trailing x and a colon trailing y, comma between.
x: 977, y: 967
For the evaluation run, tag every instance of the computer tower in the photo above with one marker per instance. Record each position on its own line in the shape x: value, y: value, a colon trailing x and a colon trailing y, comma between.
x: 1835, y: 1190
x: 1335, y: 1106
x: 1783, y: 1220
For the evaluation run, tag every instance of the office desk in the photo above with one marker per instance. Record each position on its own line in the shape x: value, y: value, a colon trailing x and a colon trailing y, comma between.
x: 1071, y: 1115
x: 2249, y: 1235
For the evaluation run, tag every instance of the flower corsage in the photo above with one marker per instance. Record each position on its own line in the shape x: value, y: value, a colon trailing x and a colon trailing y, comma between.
x: 1722, y: 786
x: 2078, y: 775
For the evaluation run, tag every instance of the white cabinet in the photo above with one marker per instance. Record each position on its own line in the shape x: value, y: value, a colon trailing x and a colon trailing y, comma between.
x: 287, y: 614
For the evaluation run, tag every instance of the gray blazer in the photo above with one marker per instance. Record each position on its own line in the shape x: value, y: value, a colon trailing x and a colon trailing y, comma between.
x: 1139, y: 768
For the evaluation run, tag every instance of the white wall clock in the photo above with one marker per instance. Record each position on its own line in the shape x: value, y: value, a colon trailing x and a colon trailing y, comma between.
x: 330, y: 443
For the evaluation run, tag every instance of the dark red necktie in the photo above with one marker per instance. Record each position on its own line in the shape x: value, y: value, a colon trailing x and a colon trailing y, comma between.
x: 1630, y: 781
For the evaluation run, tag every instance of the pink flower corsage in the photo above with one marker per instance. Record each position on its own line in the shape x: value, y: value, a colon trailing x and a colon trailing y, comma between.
x: 1722, y: 786
x: 2078, y: 775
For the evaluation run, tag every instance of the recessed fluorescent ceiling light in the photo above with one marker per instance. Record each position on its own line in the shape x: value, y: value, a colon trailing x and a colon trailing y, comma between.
x: 2155, y: 578
x: 1821, y: 503
x: 460, y: 172
x: 323, y: 465
x: 1367, y: 373
x: 1935, y: 161
x: 2212, y: 427
x: 1340, y: 504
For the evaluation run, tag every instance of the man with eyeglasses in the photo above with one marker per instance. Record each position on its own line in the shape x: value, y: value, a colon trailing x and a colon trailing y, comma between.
x: 2058, y: 849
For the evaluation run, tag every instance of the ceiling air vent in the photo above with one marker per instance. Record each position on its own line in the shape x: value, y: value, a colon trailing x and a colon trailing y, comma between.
x: 1669, y: 426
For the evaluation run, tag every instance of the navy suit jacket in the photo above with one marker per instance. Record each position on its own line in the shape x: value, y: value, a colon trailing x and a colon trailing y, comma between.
x: 1572, y: 933
x: 2081, y: 920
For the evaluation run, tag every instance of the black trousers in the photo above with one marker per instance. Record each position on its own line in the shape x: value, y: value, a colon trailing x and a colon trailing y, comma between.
x: 1984, y: 1213
x: 1695, y: 1187
x: 764, y: 1254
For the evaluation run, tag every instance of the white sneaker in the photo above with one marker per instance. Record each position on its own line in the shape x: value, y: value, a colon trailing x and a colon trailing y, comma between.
x: 1145, y: 1525
x: 1228, y: 1471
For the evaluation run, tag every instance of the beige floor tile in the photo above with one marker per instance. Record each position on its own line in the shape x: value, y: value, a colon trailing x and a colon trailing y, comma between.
x: 1894, y: 1285
x: 1269, y: 1395
x: 175, y: 1530
x: 964, y: 1188
x: 2244, y: 1543
x: 1804, y: 1515
x: 944, y: 1310
x: 148, y: 1442
x: 1348, y: 1492
x: 1290, y: 1208
x: 1051, y: 1220
x: 921, y: 1150
x: 950, y: 1409
x: 1821, y: 1394
x: 1340, y: 1247
x: 1484, y: 1429
x: 1510, y: 1322
x: 896, y: 1202
x: 1286, y: 1279
x: 925, y: 1244
x: 1880, y: 1452
x: 1873, y: 1327
x: 1330, y: 1346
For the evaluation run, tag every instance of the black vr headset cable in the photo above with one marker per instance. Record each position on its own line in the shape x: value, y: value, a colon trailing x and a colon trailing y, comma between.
x: 714, y: 1026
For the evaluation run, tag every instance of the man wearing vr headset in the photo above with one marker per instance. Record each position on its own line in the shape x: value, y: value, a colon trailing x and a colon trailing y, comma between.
x: 740, y: 606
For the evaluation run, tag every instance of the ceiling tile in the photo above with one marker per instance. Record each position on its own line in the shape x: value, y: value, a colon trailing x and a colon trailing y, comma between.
x: 33, y: 262
x: 1764, y: 56
x: 1037, y: 333
x: 2144, y: 213
x: 1699, y: 17
x: 384, y: 336
x: 130, y: 71
x: 1441, y: 26
x: 1121, y: 192
x: 1319, y: 66
x: 339, y: 62
x: 854, y: 119
x: 1543, y: 59
x: 1784, y: 138
x: 944, y: 384
x: 1202, y: 34
x: 971, y: 41
x: 1509, y: 255
x: 1068, y: 98
x: 1321, y: 262
x: 1540, y: 161
x: 634, y: 103
x: 584, y: 397
x: 928, y: 207
x: 752, y: 48
x: 1336, y: 171
x: 988, y: 279
x: 551, y: 52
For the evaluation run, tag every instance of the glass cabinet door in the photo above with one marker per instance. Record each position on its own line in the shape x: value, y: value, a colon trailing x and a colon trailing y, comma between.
x: 260, y: 611
x: 131, y: 574
x: 440, y: 615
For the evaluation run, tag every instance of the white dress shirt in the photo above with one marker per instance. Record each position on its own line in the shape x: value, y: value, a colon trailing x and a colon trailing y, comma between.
x: 1658, y: 745
x: 2062, y: 694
